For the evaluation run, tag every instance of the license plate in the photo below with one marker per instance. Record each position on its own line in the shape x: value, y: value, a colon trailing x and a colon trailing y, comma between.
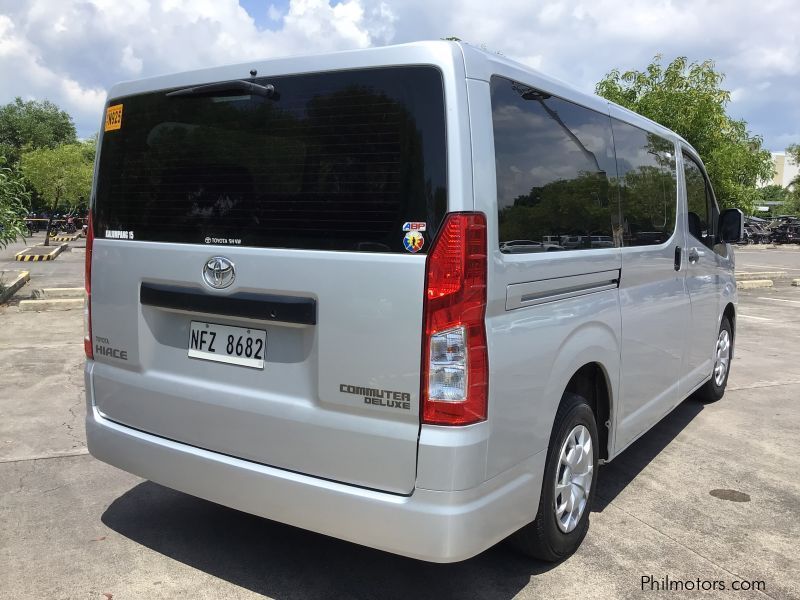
x: 226, y: 344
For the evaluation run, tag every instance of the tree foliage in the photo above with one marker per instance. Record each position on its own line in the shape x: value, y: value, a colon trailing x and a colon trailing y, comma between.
x: 792, y: 204
x: 14, y: 199
x: 772, y: 193
x: 28, y: 125
x: 62, y: 175
x: 687, y: 97
x: 793, y: 152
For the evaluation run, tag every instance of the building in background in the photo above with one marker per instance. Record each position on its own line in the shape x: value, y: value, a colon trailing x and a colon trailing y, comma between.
x: 786, y: 170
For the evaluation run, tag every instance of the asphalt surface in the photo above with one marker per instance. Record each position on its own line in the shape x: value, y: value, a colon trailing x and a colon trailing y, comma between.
x: 72, y: 527
x: 65, y: 271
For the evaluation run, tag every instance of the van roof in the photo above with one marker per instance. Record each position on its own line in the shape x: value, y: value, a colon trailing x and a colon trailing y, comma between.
x: 478, y: 64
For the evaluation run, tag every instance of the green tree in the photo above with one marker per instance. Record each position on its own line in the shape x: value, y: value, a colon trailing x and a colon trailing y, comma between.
x: 14, y: 199
x: 688, y: 98
x: 792, y: 204
x: 773, y: 193
x: 27, y: 125
x: 793, y: 152
x: 62, y: 175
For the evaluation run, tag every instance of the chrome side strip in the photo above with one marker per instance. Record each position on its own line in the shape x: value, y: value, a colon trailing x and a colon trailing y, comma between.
x: 520, y: 295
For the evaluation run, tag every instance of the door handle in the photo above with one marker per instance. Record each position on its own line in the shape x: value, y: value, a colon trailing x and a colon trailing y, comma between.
x: 677, y: 258
x: 695, y: 254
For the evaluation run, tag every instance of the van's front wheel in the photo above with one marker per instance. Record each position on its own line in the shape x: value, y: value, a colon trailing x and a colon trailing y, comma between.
x: 568, y: 487
x: 714, y: 388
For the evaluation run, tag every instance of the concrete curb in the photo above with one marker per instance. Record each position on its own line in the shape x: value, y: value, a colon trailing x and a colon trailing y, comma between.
x: 53, y: 293
x: 753, y: 284
x: 748, y: 276
x: 21, y: 256
x: 22, y: 278
x: 63, y: 238
x: 54, y: 304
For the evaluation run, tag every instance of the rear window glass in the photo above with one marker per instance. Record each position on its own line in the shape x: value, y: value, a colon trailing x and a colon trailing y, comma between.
x: 349, y: 160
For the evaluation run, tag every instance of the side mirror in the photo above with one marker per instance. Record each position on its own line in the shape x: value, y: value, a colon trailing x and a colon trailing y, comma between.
x: 731, y: 225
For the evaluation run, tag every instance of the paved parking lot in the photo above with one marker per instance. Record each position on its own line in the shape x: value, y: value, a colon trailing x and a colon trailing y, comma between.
x: 71, y: 527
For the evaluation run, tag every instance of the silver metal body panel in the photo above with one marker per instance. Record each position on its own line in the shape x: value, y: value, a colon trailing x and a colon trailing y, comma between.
x: 433, y: 525
x: 284, y: 443
x: 521, y: 295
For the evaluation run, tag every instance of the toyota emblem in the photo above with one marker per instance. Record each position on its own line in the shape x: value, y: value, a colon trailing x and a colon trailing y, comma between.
x: 219, y: 272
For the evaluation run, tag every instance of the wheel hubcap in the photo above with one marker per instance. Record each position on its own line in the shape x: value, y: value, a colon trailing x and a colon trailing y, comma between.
x: 573, y: 478
x: 723, y: 357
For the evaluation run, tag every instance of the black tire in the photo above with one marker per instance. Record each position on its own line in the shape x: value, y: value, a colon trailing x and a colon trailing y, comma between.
x: 543, y: 539
x: 711, y: 392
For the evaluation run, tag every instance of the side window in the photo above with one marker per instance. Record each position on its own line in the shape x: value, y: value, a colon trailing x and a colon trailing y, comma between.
x: 554, y: 162
x: 647, y: 185
x: 699, y: 202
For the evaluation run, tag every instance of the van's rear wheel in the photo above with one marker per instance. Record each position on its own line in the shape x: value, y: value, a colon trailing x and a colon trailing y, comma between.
x: 568, y: 487
x: 714, y: 388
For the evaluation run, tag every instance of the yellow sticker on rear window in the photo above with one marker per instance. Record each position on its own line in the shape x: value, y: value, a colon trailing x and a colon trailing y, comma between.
x: 113, y: 117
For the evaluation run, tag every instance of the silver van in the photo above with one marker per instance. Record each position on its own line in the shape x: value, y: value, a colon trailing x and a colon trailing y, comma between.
x: 298, y: 305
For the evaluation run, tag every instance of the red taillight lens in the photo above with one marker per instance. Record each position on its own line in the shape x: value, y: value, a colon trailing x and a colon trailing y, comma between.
x: 87, y: 308
x: 455, y: 371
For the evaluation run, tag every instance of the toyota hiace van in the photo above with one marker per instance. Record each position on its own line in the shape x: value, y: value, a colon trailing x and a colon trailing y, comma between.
x: 304, y: 299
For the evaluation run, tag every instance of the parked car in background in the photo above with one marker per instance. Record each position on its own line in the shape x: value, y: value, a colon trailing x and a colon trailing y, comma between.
x: 572, y: 242
x: 786, y: 234
x: 602, y: 241
x: 525, y: 246
x: 755, y: 234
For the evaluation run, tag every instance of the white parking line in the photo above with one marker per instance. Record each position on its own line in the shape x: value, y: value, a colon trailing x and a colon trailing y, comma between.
x: 761, y: 252
x: 780, y: 300
x: 741, y: 316
x: 772, y: 267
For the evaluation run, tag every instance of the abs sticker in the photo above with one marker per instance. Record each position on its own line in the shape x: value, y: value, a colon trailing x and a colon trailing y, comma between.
x: 113, y: 117
x: 414, y: 226
x: 413, y: 241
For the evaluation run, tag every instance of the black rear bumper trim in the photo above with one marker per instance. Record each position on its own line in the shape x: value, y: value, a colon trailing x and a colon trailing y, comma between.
x: 264, y: 307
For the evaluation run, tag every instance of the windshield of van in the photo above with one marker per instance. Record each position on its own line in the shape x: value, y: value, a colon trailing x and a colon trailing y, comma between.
x: 348, y: 160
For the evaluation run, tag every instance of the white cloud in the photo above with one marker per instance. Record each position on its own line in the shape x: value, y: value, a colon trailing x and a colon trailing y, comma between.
x: 130, y: 62
x: 24, y: 72
x: 71, y: 50
x: 579, y: 41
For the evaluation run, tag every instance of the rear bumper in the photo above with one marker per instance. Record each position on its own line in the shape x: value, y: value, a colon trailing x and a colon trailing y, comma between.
x: 428, y: 525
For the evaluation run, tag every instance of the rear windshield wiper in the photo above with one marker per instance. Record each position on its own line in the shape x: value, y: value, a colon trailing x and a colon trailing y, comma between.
x: 223, y: 87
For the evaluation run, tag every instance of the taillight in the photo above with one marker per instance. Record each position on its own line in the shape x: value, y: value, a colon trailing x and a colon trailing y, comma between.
x: 87, y: 302
x: 455, y: 371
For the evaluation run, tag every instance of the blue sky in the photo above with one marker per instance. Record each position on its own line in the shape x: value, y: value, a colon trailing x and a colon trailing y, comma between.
x: 259, y: 10
x: 72, y: 51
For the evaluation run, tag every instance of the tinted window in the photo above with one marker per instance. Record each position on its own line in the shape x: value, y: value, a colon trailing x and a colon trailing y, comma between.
x: 647, y: 185
x: 554, y: 160
x: 336, y: 161
x: 698, y: 200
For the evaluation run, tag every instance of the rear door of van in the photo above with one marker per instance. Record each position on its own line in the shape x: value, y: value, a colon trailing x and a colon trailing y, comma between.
x: 258, y: 267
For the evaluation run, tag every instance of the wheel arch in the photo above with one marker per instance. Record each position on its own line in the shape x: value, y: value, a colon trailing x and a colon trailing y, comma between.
x: 730, y: 313
x: 592, y: 383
